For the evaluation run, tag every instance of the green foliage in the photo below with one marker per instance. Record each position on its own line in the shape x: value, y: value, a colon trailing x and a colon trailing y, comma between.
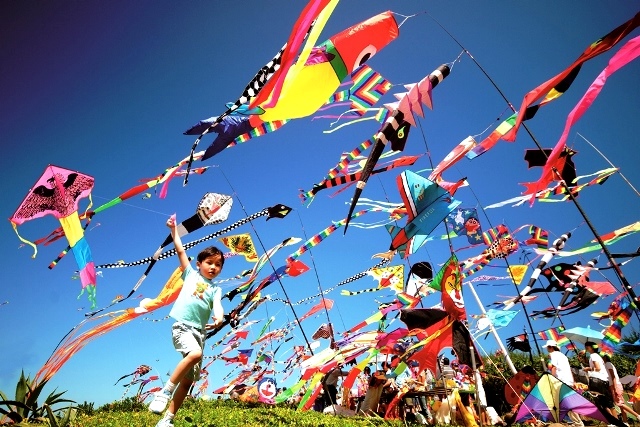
x: 25, y: 405
x: 86, y: 408
x: 60, y: 420
x: 128, y: 404
x: 200, y: 413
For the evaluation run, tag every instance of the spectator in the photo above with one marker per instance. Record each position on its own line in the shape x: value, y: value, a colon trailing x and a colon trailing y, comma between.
x: 360, y: 387
x: 377, y: 383
x: 330, y: 384
x: 598, y: 378
x: 616, y: 390
x: 447, y: 372
x: 560, y: 368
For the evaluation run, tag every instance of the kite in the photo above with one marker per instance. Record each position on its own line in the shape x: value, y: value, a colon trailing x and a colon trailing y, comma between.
x: 241, y: 244
x: 351, y: 279
x: 519, y: 342
x: 500, y: 318
x: 420, y: 275
x: 307, y: 196
x: 276, y: 211
x: 486, y: 144
x: 396, y: 127
x: 295, y: 84
x: 608, y: 238
x: 517, y: 272
x: 557, y: 85
x: 579, y: 301
x: 448, y: 282
x: 325, y: 304
x: 550, y: 400
x: 600, y: 177
x: 501, y: 245
x: 558, y: 245
x: 441, y: 331
x: 519, y: 386
x: 139, y: 371
x: 366, y: 88
x: 213, y: 208
x: 452, y: 158
x: 391, y: 277
x: 427, y: 205
x: 57, y: 193
x: 163, y: 178
x: 465, y: 222
x: 626, y: 54
x: 539, y: 237
x: 564, y: 164
x: 621, y: 313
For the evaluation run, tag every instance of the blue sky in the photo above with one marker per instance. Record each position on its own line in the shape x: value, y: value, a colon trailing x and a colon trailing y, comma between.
x: 107, y: 88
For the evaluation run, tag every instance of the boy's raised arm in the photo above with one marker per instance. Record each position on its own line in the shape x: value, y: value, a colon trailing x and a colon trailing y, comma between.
x: 177, y: 242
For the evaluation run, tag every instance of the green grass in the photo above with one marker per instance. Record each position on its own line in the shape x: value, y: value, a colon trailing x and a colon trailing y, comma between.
x: 228, y: 413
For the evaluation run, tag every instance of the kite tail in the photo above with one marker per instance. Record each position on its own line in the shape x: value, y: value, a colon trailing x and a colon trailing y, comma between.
x: 71, y: 344
x: 25, y: 241
x: 352, y: 293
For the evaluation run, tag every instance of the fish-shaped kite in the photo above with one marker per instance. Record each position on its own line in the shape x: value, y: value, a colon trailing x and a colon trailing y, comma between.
x: 427, y: 206
x: 300, y: 78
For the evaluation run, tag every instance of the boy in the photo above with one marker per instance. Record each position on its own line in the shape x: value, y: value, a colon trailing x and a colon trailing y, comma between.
x: 191, y: 310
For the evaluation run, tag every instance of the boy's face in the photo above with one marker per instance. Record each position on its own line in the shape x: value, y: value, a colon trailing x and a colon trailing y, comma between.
x: 210, y: 267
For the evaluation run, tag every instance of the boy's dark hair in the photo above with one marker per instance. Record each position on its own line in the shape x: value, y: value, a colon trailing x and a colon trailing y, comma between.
x: 211, y: 251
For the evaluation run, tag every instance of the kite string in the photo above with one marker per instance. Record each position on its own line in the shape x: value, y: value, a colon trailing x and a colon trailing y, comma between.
x: 315, y: 270
x: 406, y: 17
x: 524, y: 309
x: 618, y: 271
x: 428, y: 153
x: 269, y: 259
x: 498, y: 369
x: 609, y: 161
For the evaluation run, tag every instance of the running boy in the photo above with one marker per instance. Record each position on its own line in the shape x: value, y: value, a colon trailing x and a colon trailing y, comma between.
x: 191, y: 310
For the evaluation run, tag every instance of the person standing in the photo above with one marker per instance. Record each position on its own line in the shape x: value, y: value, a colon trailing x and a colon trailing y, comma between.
x: 560, y: 368
x: 331, y: 385
x: 616, y: 390
x: 598, y: 377
x: 360, y: 386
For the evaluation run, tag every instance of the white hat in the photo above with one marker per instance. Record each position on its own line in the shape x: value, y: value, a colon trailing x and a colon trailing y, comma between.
x: 550, y: 343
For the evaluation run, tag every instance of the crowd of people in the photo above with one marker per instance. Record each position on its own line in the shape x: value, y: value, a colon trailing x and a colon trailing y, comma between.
x: 602, y: 376
x: 381, y: 391
x: 384, y: 391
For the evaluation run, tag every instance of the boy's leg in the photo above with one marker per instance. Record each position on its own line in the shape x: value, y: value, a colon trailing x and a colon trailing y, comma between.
x: 189, y: 341
x: 185, y: 366
x: 178, y: 397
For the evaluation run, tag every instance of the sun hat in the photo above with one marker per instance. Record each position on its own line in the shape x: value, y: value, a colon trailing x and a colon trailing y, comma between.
x: 550, y: 343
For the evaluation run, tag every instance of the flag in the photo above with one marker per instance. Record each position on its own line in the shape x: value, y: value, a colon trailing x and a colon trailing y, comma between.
x: 556, y: 335
x: 517, y: 272
x: 613, y: 334
x: 237, y: 336
x: 324, y: 331
x: 539, y: 237
x: 465, y: 222
x: 519, y: 342
x: 243, y: 355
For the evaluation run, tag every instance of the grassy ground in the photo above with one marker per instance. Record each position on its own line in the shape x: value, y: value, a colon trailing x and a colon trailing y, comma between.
x: 228, y: 414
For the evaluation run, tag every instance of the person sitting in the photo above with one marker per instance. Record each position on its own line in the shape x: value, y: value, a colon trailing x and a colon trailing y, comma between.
x: 447, y: 372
